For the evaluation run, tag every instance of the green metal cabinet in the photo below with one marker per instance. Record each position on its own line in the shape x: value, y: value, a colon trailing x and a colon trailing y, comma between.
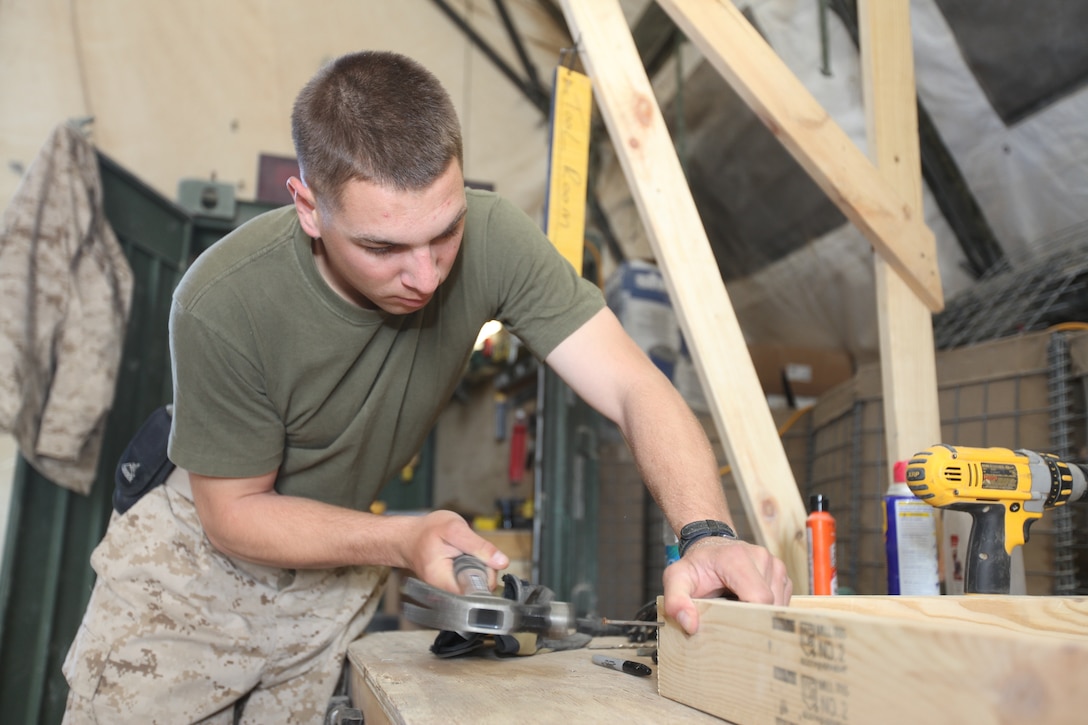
x: 46, y: 578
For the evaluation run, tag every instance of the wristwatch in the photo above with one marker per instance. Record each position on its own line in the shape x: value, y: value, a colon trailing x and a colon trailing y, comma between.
x: 701, y: 529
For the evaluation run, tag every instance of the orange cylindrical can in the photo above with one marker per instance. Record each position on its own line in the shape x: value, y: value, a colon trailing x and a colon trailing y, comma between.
x: 820, y: 529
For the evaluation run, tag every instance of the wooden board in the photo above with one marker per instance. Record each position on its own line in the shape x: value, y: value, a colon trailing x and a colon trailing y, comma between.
x: 847, y: 660
x: 516, y: 544
x: 889, y: 221
x: 395, y: 679
x: 682, y: 250
x: 1039, y: 616
x: 908, y: 363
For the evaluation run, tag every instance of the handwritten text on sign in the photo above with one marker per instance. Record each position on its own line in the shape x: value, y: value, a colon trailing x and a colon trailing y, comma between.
x: 566, y: 215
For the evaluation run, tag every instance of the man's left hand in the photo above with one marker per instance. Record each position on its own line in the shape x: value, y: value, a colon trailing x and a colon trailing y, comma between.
x: 716, y: 566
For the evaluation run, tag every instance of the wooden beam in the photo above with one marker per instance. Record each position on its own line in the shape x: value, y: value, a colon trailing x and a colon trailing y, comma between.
x: 907, y: 360
x: 892, y: 225
x: 826, y: 661
x: 682, y: 249
x: 908, y: 368
x: 1040, y: 616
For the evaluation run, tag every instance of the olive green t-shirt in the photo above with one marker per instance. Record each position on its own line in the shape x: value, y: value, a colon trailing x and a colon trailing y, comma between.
x: 275, y: 371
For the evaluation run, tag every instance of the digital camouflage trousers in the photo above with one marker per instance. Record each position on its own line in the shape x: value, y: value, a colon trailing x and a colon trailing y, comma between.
x: 177, y: 632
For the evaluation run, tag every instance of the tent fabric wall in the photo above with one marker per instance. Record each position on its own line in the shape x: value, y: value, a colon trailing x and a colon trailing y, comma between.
x: 810, y: 296
x: 200, y: 89
x: 1029, y: 178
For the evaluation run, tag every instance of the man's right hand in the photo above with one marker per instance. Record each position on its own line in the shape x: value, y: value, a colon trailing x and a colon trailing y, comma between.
x: 442, y: 536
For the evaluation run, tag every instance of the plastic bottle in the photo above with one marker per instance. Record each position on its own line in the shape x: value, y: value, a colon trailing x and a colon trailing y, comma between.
x: 672, y: 544
x: 820, y: 530
x: 910, y: 539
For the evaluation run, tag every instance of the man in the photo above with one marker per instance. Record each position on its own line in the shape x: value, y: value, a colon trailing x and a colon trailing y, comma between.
x: 312, y: 351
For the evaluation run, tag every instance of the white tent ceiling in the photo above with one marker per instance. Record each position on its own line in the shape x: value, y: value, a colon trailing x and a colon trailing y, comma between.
x: 201, y: 89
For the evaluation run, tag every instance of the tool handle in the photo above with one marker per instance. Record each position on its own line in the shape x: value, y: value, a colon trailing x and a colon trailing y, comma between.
x: 471, y: 575
x: 988, y: 569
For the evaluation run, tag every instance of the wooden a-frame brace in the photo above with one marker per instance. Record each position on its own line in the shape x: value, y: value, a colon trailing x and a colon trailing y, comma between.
x: 883, y: 201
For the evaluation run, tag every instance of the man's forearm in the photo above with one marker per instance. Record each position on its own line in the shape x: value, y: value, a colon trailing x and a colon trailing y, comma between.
x: 673, y: 455
x: 245, y: 518
x: 611, y: 373
x: 297, y: 533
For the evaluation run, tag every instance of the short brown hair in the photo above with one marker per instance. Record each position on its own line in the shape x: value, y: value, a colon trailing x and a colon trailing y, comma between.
x: 374, y: 116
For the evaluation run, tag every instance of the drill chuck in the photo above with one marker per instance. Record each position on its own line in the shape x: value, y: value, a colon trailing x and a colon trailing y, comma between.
x: 1068, y: 482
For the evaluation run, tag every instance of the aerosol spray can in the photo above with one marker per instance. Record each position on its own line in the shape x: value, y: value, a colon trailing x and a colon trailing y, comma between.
x: 820, y: 528
x: 910, y: 539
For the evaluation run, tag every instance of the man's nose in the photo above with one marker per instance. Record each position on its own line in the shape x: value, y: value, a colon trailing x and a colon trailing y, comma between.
x: 424, y: 274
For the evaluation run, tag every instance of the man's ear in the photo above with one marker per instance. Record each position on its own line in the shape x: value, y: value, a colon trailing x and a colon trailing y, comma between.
x: 305, y: 206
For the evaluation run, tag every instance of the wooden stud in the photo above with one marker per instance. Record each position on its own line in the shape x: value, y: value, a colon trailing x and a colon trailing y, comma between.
x: 682, y: 249
x: 907, y: 361
x: 1041, y: 616
x: 846, y: 660
x: 908, y: 367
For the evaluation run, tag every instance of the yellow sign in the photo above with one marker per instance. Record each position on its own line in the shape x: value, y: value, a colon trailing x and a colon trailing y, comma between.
x: 566, y: 203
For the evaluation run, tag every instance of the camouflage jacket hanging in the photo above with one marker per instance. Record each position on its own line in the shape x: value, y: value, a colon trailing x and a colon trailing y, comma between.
x: 65, y: 293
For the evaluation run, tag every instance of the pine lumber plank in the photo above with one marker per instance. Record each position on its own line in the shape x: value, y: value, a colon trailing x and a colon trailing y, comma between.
x: 908, y: 366
x: 907, y: 358
x: 821, y: 662
x: 890, y: 222
x: 1041, y: 616
x: 709, y: 323
x: 397, y: 681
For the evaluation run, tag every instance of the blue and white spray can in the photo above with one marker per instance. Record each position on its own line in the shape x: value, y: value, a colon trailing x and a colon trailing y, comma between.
x: 910, y: 539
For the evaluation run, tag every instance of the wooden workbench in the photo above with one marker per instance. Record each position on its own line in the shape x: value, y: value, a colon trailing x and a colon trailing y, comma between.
x: 396, y: 679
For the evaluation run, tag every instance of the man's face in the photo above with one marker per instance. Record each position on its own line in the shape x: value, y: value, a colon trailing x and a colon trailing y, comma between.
x: 384, y: 248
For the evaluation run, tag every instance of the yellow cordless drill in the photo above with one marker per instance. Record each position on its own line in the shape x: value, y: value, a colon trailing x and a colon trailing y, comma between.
x: 1005, y: 491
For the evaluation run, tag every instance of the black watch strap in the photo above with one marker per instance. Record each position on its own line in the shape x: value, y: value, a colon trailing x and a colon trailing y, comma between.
x: 701, y: 529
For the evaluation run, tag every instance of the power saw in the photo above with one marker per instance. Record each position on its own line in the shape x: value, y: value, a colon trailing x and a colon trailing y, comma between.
x: 1004, y: 490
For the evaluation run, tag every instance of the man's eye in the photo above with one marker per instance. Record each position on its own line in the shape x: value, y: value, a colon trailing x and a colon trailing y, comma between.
x: 380, y: 251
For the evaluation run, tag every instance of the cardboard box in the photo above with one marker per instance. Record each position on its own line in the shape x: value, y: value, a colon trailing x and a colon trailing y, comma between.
x: 803, y: 372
